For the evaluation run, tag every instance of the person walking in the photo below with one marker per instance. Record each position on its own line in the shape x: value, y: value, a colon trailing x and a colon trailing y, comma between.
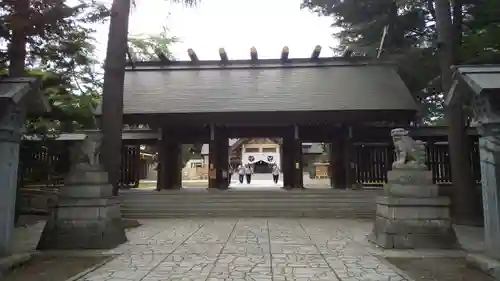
x: 230, y: 174
x: 248, y: 173
x: 241, y: 173
x: 276, y: 173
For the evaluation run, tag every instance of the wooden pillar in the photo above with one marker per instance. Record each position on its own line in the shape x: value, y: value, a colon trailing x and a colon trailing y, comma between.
x: 222, y: 160
x: 298, y: 170
x: 347, y: 148
x: 287, y: 161
x: 332, y: 159
x: 338, y: 178
x: 340, y: 160
x: 350, y: 171
x: 170, y: 163
x: 218, y: 158
x: 292, y: 160
x: 161, y: 158
x: 175, y: 161
x: 138, y: 167
x: 212, y: 160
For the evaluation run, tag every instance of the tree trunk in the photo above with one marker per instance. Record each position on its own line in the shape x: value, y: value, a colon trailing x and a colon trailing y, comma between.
x: 395, y: 34
x: 112, y: 96
x: 465, y: 200
x: 17, y: 48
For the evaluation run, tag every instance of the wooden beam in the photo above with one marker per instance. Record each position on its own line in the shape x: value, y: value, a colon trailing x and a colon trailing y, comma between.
x: 284, y: 54
x: 223, y: 56
x: 162, y: 56
x: 132, y: 58
x: 347, y: 53
x: 316, y: 52
x: 192, y: 55
x: 254, y: 56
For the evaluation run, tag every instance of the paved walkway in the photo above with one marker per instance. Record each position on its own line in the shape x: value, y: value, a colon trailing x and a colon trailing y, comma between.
x: 258, y: 181
x: 247, y: 249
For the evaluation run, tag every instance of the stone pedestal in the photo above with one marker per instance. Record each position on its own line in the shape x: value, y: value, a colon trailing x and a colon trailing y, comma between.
x: 411, y: 215
x: 87, y: 215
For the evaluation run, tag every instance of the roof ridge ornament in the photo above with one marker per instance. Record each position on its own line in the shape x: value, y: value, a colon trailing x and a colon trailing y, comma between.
x: 316, y: 52
x: 254, y: 56
x: 193, y: 56
x: 223, y: 56
x: 284, y: 54
x: 162, y: 56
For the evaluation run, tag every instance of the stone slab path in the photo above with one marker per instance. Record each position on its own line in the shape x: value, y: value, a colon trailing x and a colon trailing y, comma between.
x: 246, y: 249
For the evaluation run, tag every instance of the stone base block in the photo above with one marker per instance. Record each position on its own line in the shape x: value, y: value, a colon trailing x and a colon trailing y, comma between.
x: 486, y: 264
x: 410, y: 177
x: 400, y: 208
x: 414, y: 240
x: 413, y: 234
x: 84, y: 224
x: 408, y: 190
x: 415, y: 226
x: 412, y: 223
x: 9, y: 262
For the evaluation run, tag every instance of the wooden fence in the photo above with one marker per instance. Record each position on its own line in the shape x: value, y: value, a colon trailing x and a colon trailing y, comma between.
x: 373, y: 161
x: 48, y: 165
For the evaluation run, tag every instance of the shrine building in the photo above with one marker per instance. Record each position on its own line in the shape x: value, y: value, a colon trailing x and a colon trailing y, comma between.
x: 261, y: 153
x: 298, y: 101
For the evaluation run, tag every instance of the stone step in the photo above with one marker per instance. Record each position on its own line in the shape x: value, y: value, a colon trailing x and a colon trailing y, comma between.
x: 255, y: 213
x: 230, y: 203
x: 283, y: 202
x: 247, y: 207
x: 162, y: 197
x: 277, y: 199
x: 249, y: 194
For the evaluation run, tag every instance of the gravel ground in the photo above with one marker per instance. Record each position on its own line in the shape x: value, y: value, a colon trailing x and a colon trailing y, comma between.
x: 52, y: 268
x: 439, y: 269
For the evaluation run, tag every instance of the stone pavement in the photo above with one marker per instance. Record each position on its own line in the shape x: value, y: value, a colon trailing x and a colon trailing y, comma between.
x: 246, y: 249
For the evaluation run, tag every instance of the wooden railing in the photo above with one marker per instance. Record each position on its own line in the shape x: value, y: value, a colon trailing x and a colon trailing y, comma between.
x: 373, y: 161
x: 47, y: 166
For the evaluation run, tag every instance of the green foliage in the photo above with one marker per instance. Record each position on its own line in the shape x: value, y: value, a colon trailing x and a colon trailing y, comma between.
x: 145, y: 46
x: 481, y: 41
x: 61, y: 52
x: 411, y: 39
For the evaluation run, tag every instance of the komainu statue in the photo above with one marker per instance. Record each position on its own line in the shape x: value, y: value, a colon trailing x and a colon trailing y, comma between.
x: 86, y: 154
x: 409, y: 152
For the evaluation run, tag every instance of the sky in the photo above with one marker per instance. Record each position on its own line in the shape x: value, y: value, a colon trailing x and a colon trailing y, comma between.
x: 236, y: 25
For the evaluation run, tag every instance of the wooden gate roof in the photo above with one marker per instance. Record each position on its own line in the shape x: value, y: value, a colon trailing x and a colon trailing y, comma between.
x: 299, y: 85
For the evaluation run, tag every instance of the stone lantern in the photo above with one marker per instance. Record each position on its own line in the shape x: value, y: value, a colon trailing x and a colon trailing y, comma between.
x: 480, y: 85
x: 18, y: 97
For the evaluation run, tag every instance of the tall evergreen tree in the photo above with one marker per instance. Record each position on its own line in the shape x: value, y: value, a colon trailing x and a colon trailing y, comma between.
x: 466, y: 33
x: 114, y: 78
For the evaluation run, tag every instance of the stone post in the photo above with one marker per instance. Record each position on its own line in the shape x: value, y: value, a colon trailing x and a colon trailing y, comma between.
x: 87, y: 215
x: 479, y: 85
x: 489, y: 149
x: 11, y: 120
x: 17, y: 96
x: 487, y: 120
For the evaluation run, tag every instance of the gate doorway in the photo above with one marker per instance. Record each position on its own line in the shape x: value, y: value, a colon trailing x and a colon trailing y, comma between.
x: 262, y: 167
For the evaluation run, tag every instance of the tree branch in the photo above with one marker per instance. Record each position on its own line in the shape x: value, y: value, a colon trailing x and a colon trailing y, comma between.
x: 432, y: 10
